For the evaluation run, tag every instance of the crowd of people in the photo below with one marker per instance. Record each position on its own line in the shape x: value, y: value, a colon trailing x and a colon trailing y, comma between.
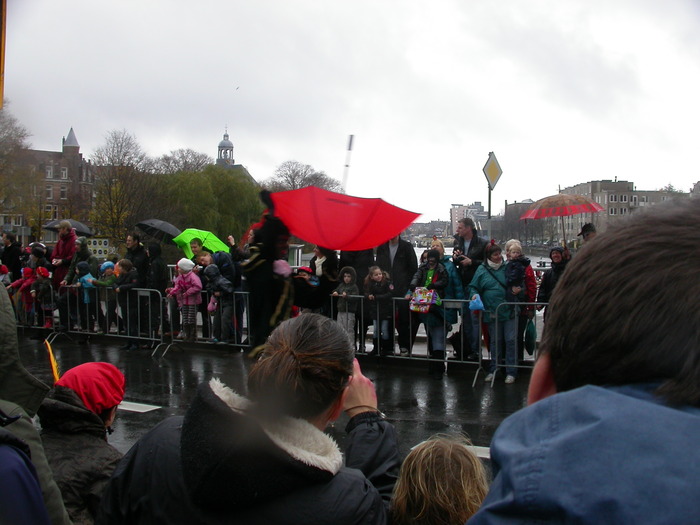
x: 203, y: 298
x: 613, y: 399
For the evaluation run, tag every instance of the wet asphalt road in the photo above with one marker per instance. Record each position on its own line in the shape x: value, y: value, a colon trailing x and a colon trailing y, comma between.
x: 418, y: 405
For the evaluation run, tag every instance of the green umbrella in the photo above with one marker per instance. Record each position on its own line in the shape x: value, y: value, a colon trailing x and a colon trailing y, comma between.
x: 210, y: 241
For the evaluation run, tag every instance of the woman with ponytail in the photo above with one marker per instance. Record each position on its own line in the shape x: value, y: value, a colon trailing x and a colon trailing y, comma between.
x: 266, y: 458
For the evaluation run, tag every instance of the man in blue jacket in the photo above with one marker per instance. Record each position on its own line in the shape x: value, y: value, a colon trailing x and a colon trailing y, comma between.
x: 611, y: 432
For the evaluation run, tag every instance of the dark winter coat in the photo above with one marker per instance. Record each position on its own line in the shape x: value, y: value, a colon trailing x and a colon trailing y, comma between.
x: 515, y: 276
x: 347, y: 304
x: 219, y: 464
x: 76, y: 446
x: 137, y: 256
x: 477, y: 246
x: 403, y: 268
x: 81, y: 255
x: 158, y: 276
x: 382, y: 307
x: 228, y: 269
x: 20, y: 492
x: 11, y: 258
x: 549, y: 281
x: 218, y: 283
x: 20, y: 395
x: 126, y: 283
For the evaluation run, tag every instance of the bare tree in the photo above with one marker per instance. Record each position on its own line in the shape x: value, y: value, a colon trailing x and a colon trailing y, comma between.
x: 183, y: 159
x: 13, y: 139
x: 124, y: 185
x: 292, y: 175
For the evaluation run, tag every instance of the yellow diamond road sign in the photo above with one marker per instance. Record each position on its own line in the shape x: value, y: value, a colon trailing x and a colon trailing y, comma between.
x: 492, y: 170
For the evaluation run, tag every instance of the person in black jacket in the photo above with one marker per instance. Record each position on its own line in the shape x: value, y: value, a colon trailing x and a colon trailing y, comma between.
x: 75, y: 418
x: 265, y: 459
x: 12, y: 254
x: 560, y: 258
x: 125, y: 285
x: 399, y: 259
x: 467, y: 255
x: 158, y: 278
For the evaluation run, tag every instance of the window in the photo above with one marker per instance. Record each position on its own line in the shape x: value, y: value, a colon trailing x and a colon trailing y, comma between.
x: 64, y: 173
x: 623, y: 211
x: 613, y: 197
x: 49, y: 192
x: 16, y: 220
x: 623, y: 198
x: 612, y: 211
x: 49, y: 172
x: 644, y: 198
x: 51, y: 212
x: 634, y: 200
x: 64, y: 192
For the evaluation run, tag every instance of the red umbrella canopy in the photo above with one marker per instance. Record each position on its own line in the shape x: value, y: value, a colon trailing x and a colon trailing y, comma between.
x: 337, y: 221
x: 561, y: 205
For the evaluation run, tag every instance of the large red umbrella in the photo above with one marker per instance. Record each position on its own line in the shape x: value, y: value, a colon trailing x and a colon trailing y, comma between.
x: 338, y: 221
x: 561, y: 205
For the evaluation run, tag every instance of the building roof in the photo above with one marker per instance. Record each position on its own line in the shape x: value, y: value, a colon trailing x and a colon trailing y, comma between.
x: 71, y: 140
x: 226, y: 143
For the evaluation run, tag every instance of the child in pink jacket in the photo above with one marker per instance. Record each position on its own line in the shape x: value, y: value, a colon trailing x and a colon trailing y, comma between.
x: 187, y: 289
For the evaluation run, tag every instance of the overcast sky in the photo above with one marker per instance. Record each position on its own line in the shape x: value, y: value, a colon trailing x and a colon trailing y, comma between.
x: 562, y: 91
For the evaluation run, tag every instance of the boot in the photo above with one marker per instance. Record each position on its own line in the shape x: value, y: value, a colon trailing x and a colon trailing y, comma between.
x: 190, y: 334
x: 437, y: 364
x: 386, y: 347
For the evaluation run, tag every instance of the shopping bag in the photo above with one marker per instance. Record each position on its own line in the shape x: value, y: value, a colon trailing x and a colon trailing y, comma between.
x: 530, y: 336
x: 476, y: 303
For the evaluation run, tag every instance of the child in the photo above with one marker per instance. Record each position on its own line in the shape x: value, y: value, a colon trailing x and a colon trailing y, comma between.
x: 107, y: 294
x: 42, y: 292
x: 5, y: 276
x: 306, y: 290
x: 347, y: 306
x: 87, y: 301
x: 127, y: 280
x: 188, y: 291
x: 378, y: 291
x: 222, y: 290
x: 515, y: 271
x: 24, y: 285
x: 441, y: 481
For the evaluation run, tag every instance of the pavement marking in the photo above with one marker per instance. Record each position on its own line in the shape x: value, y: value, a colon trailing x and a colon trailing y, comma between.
x: 137, y: 407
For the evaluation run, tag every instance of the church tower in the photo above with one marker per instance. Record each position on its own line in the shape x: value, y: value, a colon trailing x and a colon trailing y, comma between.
x: 225, y: 157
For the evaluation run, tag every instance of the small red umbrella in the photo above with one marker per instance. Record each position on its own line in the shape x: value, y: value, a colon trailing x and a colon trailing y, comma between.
x: 338, y: 221
x: 561, y: 205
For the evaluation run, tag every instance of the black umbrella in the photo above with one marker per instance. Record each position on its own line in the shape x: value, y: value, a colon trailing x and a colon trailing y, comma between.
x: 80, y: 228
x: 161, y: 230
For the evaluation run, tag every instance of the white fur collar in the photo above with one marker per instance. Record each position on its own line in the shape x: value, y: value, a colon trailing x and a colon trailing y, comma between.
x: 299, y: 438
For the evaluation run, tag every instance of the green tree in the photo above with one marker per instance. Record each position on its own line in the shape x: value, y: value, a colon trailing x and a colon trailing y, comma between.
x: 670, y: 188
x: 183, y: 159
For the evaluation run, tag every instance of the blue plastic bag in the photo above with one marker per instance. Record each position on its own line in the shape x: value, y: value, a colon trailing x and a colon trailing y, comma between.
x: 476, y: 304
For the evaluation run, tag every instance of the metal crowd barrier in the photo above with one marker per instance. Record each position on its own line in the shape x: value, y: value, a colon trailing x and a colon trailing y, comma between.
x: 135, y: 314
x: 233, y: 320
x: 499, y: 365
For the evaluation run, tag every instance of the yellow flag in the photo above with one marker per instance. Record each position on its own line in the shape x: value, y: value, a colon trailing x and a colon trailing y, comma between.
x: 52, y: 360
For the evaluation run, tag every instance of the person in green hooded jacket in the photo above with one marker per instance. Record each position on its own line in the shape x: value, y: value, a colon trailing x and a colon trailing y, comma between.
x: 489, y: 282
